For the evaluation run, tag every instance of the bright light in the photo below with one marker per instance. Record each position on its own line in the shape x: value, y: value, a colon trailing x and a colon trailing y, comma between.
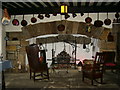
x: 64, y: 8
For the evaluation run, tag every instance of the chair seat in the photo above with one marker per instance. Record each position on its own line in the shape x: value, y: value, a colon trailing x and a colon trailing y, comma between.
x: 110, y: 64
x: 109, y: 61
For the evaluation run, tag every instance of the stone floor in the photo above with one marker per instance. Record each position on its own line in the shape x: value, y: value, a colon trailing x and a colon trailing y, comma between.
x: 60, y: 79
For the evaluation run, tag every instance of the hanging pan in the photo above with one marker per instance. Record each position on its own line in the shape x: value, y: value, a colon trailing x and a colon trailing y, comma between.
x: 98, y: 23
x: 107, y: 21
x: 33, y: 19
x: 88, y: 19
x: 15, y: 22
x: 23, y: 22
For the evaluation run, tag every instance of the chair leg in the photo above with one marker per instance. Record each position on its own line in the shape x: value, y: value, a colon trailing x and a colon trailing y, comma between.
x: 48, y: 74
x: 82, y: 77
x: 30, y: 74
x: 41, y: 74
x: 92, y: 81
x: 101, y: 80
x: 34, y: 76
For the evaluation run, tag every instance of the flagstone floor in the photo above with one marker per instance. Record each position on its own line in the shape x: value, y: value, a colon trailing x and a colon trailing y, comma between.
x: 60, y: 79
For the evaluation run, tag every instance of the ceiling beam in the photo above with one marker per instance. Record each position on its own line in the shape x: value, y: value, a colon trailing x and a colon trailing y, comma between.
x: 89, y: 9
x: 55, y: 4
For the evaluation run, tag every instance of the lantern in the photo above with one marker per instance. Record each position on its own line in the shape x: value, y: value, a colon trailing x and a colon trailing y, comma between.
x: 64, y: 9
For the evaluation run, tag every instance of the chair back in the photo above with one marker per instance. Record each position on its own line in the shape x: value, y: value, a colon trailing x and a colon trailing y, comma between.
x: 109, y: 56
x: 33, y: 56
x: 99, y: 57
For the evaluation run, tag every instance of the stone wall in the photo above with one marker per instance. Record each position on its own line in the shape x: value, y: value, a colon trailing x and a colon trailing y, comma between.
x: 15, y: 51
x: 104, y: 45
x: 116, y: 33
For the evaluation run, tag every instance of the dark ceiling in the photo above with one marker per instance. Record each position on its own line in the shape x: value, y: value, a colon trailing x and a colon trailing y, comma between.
x: 20, y: 8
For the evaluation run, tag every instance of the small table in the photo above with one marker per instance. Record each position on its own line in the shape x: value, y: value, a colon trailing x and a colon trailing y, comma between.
x: 4, y: 64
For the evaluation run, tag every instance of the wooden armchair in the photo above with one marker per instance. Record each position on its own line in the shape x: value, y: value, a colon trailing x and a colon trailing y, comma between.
x: 35, y: 64
x: 93, y: 70
x: 109, y: 61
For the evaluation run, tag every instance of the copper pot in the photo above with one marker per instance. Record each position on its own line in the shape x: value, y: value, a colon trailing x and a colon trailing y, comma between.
x: 88, y: 20
x: 54, y: 14
x: 23, y: 22
x: 40, y: 16
x: 98, y: 23
x: 15, y: 22
x: 107, y: 21
x: 33, y: 20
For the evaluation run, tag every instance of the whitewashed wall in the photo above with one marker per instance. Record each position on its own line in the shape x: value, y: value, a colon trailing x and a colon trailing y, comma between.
x: 58, y: 47
x: 81, y: 53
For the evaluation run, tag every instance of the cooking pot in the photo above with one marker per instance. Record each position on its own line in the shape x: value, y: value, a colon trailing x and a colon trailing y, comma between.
x: 98, y: 23
x: 33, y: 20
x: 107, y: 21
x: 40, y: 16
x: 23, y: 22
x: 15, y: 22
x: 88, y: 20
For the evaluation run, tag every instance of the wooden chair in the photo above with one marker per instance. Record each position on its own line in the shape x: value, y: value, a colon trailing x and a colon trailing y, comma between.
x: 35, y: 64
x: 93, y: 70
x: 109, y: 61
